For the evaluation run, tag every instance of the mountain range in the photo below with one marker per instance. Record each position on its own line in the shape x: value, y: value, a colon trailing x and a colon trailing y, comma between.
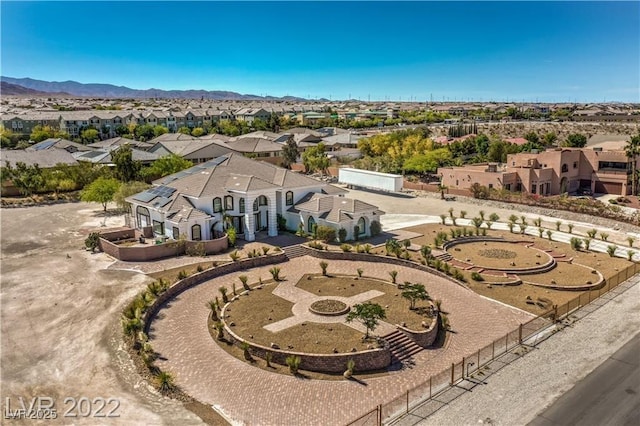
x: 23, y: 86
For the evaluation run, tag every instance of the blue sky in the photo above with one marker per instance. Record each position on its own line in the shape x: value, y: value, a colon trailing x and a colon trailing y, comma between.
x: 546, y: 51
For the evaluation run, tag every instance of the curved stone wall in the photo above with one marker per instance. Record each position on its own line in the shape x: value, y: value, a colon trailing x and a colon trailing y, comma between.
x: 372, y: 359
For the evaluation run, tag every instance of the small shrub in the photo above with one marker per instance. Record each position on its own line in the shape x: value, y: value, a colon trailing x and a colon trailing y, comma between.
x: 326, y: 233
x: 540, y: 232
x: 323, y: 266
x: 346, y: 248
x: 244, y: 279
x: 164, y: 382
x: 570, y: 227
x: 587, y: 243
x: 576, y: 243
x: 494, y: 217
x: 268, y: 356
x: 275, y: 273
x: 359, y: 271
x: 558, y: 225
x: 375, y: 228
x: 463, y: 214
x: 611, y: 250
x: 630, y: 254
x: 234, y: 255
x: 92, y: 242
x: 367, y: 248
x: 538, y: 222
x: 592, y: 233
x: 476, y: 276
x: 393, y: 275
x: 245, y: 351
x: 604, y: 236
x: 182, y: 275
x: 199, y: 268
x: 630, y: 240
x: 549, y: 234
x: 196, y: 250
x: 223, y: 291
x: 265, y: 250
x: 232, y: 236
x: 293, y: 361
x: 300, y: 232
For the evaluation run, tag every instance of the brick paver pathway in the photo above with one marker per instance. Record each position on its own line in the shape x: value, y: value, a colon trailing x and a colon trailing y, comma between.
x: 253, y: 396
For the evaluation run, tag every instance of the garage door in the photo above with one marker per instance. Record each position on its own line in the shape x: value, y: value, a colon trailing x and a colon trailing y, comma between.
x: 608, y: 188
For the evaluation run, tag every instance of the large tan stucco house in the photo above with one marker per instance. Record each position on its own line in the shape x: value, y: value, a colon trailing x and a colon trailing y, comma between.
x: 549, y: 172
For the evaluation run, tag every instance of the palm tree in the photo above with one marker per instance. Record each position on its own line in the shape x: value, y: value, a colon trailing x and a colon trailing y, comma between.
x: 632, y: 151
x: 214, y: 309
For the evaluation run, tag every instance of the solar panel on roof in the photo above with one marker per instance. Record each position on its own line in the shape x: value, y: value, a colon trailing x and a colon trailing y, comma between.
x: 145, y: 196
x: 44, y: 145
x: 162, y: 201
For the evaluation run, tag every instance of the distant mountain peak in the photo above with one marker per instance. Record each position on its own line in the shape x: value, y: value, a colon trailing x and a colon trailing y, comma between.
x: 99, y: 90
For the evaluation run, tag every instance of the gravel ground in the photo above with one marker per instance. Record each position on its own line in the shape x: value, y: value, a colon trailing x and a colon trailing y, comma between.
x: 517, y: 393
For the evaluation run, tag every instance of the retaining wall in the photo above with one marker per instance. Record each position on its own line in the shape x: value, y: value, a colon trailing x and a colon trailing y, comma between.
x: 206, y: 275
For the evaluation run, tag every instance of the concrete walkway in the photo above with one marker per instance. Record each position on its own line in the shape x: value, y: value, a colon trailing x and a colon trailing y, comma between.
x: 248, y: 395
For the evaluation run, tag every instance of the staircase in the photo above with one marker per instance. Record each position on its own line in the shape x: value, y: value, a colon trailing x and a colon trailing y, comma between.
x: 445, y: 257
x: 294, y: 251
x: 401, y: 346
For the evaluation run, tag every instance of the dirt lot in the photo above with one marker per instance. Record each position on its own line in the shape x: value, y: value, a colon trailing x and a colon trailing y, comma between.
x: 60, y: 310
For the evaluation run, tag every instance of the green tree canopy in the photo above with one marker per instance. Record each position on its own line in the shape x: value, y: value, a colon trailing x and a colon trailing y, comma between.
x: 144, y: 132
x: 289, y: 152
x: 315, y: 159
x: 428, y: 162
x: 28, y: 179
x: 413, y: 293
x: 576, y: 140
x: 101, y: 190
x: 197, y: 132
x: 159, y: 130
x: 126, y: 168
x: 184, y: 130
x: 368, y: 314
x: 40, y: 133
x: 165, y: 166
x: 89, y: 135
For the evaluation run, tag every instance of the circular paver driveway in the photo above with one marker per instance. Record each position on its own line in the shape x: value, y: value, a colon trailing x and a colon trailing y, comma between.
x: 250, y: 395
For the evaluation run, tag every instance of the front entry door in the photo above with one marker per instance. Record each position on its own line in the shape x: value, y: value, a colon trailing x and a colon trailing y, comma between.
x: 258, y: 220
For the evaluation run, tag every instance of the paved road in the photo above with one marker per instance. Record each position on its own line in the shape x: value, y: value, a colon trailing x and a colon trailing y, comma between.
x: 610, y: 395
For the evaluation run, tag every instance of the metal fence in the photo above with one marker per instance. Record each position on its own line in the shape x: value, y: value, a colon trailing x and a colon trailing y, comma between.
x: 474, y: 362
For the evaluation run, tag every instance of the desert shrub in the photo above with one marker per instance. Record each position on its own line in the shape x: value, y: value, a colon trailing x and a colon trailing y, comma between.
x: 604, y: 236
x: 587, y: 243
x: 92, y: 241
x: 234, y: 255
x: 375, y: 228
x: 323, y: 266
x: 293, y: 362
x: 342, y: 235
x: 576, y: 243
x: 367, y: 248
x: 326, y: 233
x: 611, y: 250
x: 359, y: 271
x: 182, y: 275
x: 265, y: 250
x: 476, y: 276
x: 199, y: 268
x: 196, y: 250
x: 393, y: 275
x: 345, y: 248
x: 592, y: 233
x: 232, y: 236
x: 275, y: 273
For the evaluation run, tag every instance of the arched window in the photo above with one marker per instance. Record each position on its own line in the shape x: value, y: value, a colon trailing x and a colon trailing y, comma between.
x: 362, y: 226
x: 217, y: 205
x: 310, y: 224
x: 242, y: 206
x: 228, y: 202
x: 262, y: 200
x: 196, y: 234
x: 255, y: 205
x: 289, y: 198
x: 144, y: 218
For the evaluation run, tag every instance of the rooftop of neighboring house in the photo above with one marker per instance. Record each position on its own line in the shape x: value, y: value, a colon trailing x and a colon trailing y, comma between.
x: 185, y: 147
x: 44, y: 158
x: 118, y: 142
x: 53, y: 143
x: 103, y: 156
x: 172, y: 137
